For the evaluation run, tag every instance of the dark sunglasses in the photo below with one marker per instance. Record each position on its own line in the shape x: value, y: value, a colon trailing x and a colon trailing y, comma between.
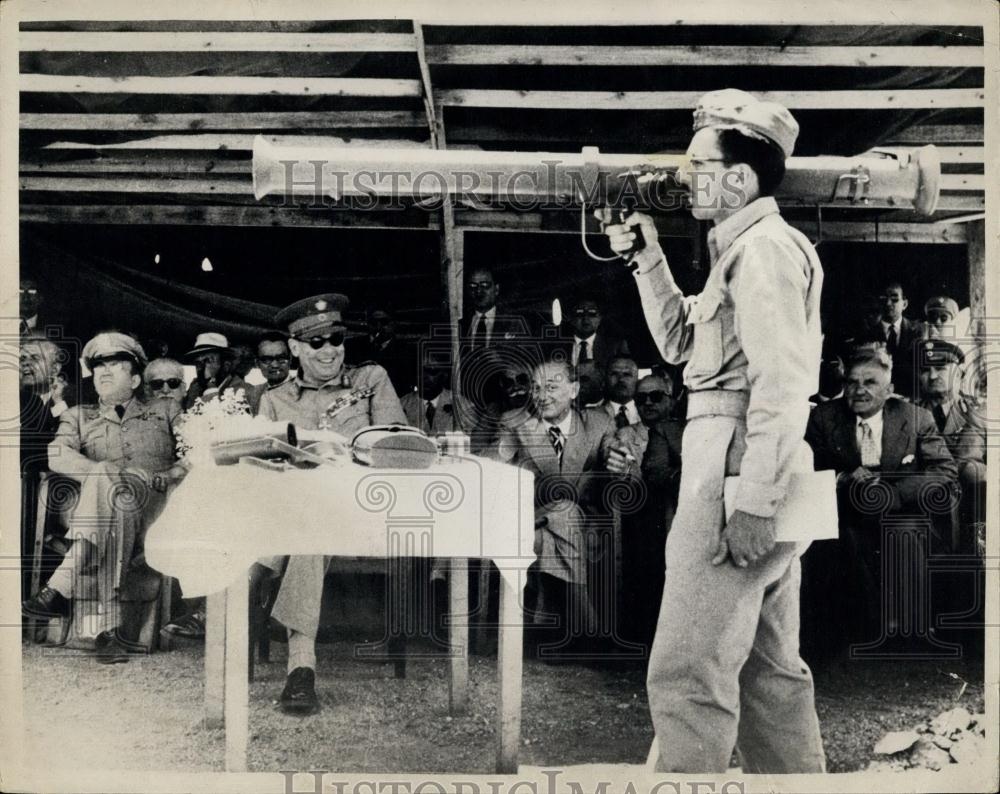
x: 521, y: 380
x: 587, y: 313
x: 272, y: 359
x: 316, y: 343
x: 655, y: 397
x: 158, y: 383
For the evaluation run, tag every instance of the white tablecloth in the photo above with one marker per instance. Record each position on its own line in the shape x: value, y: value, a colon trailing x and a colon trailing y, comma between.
x: 223, y: 518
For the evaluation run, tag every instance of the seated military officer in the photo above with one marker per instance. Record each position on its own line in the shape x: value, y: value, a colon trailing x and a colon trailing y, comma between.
x: 327, y: 395
x: 122, y: 451
x: 959, y: 423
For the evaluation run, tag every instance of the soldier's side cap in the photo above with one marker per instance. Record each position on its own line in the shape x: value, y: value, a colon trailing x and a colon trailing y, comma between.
x: 941, y: 303
x: 733, y: 109
x: 940, y: 351
x: 113, y: 344
x: 316, y: 315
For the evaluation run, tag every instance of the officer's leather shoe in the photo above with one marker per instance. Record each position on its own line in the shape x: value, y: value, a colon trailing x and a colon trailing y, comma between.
x: 113, y: 649
x: 47, y: 603
x: 299, y: 694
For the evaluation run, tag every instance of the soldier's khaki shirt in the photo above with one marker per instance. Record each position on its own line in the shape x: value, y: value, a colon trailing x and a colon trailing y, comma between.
x: 304, y: 405
x: 90, y: 434
x: 755, y: 327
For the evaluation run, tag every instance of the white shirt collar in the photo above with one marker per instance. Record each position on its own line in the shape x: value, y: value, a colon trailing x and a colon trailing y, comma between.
x: 490, y: 314
x: 874, y: 422
x: 589, y: 340
x: 564, y: 426
x: 898, y: 325
x: 630, y: 410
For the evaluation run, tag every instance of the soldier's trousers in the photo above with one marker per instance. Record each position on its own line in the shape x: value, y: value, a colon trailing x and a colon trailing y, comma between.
x: 299, y: 600
x: 725, y: 669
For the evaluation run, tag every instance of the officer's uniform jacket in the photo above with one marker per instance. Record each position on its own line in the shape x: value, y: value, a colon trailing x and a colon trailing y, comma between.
x: 965, y: 434
x: 305, y: 406
x: 755, y: 328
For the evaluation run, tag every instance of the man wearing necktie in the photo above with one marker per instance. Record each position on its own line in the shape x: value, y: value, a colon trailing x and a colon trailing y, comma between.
x: 899, y: 334
x: 122, y: 451
x: 588, y: 337
x: 431, y: 407
x: 620, y: 380
x: 889, y: 457
x: 562, y: 447
x: 487, y: 334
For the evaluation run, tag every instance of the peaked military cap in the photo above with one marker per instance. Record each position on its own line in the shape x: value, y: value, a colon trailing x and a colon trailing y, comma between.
x: 313, y: 316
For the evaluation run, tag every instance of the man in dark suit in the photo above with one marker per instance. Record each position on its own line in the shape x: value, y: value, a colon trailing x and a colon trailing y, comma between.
x: 585, y: 336
x: 488, y: 339
x: 392, y: 353
x: 561, y: 446
x: 892, y: 465
x: 899, y: 335
x: 44, y: 395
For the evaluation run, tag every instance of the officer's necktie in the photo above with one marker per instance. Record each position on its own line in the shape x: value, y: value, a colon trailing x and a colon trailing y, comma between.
x: 869, y: 452
x: 621, y: 420
x: 584, y: 353
x: 429, y: 414
x: 890, y: 340
x: 939, y: 417
x: 556, y: 437
x: 120, y: 410
x: 479, y: 333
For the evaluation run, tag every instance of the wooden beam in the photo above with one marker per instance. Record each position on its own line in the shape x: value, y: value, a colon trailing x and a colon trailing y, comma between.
x: 211, y: 41
x: 870, y: 232
x: 140, y: 122
x: 679, y: 13
x: 975, y: 182
x: 185, y: 186
x: 940, y: 133
x: 131, y: 162
x: 233, y: 142
x: 203, y: 215
x: 222, y: 85
x: 962, y: 154
x: 886, y: 99
x: 697, y: 55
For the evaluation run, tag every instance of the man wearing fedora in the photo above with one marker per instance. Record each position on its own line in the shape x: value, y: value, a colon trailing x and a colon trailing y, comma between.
x: 212, y: 359
x: 325, y: 394
x: 725, y: 669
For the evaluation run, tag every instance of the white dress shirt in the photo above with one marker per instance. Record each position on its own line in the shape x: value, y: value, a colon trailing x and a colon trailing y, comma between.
x: 489, y: 317
x: 630, y: 411
x: 590, y: 348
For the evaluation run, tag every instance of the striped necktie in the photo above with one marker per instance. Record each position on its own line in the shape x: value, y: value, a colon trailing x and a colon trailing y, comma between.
x: 556, y: 437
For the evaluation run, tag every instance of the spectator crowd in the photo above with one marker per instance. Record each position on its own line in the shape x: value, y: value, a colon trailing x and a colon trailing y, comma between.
x: 892, y: 416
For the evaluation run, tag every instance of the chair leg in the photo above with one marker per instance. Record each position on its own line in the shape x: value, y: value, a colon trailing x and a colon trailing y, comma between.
x: 164, y: 640
x: 38, y: 545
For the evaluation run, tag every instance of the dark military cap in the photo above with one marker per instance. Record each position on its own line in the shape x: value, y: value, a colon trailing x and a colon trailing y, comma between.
x: 938, y: 351
x: 314, y: 316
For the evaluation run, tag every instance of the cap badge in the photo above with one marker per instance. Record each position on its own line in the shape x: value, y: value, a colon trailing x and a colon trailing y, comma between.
x: 321, y: 305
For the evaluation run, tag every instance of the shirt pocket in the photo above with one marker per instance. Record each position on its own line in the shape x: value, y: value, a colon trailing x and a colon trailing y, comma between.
x: 95, y: 441
x: 707, y: 326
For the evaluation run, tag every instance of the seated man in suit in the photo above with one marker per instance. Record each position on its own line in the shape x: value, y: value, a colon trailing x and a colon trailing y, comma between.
x: 163, y: 379
x: 562, y: 447
x: 650, y: 451
x: 890, y: 459
x: 431, y: 407
x: 620, y: 380
x: 959, y: 421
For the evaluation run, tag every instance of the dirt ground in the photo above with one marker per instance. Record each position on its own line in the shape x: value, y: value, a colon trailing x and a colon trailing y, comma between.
x: 149, y: 713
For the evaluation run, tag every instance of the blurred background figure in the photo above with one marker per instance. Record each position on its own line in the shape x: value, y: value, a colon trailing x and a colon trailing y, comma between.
x: 163, y: 379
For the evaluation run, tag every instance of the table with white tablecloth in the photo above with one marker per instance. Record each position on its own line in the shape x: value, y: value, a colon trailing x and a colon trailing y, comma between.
x: 221, y: 519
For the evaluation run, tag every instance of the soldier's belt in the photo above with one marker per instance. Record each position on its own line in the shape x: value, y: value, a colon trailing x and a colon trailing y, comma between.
x: 718, y: 402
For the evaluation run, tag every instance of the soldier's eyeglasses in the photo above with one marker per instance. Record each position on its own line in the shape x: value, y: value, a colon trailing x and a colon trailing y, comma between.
x: 316, y: 343
x: 158, y: 383
x: 654, y: 397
